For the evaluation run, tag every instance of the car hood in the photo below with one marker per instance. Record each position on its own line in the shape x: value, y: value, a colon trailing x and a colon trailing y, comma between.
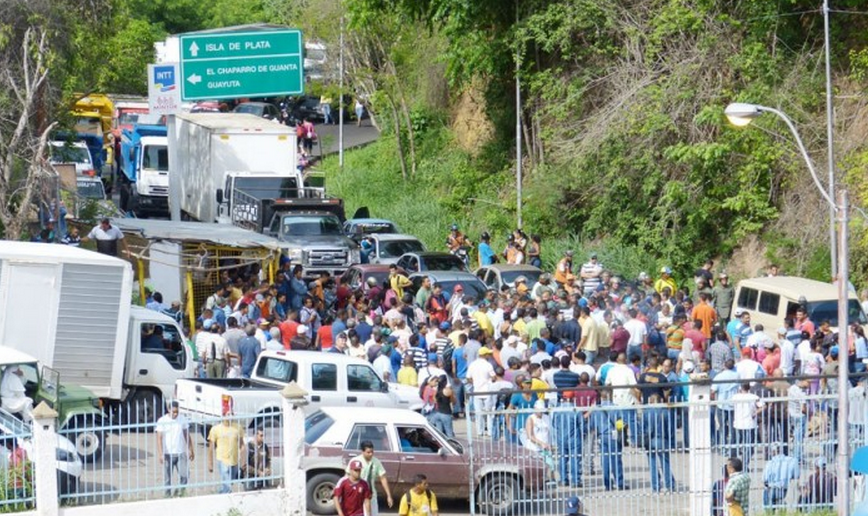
x: 407, y: 396
x: 319, y: 240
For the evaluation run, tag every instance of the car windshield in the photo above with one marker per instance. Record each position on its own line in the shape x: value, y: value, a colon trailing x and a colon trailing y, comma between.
x: 69, y: 154
x: 820, y: 311
x: 129, y: 117
x: 474, y: 289
x: 509, y: 276
x: 156, y: 157
x: 381, y: 277
x: 268, y: 187
x: 445, y: 262
x: 90, y: 189
x: 395, y: 248
x: 311, y: 225
x: 253, y: 109
x: 368, y: 228
x: 89, y: 125
x: 315, y: 425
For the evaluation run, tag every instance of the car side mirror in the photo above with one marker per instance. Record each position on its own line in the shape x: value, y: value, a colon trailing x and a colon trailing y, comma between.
x: 384, y: 387
x: 441, y: 452
x: 219, y: 196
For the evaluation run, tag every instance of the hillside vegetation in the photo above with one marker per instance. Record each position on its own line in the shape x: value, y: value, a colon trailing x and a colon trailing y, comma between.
x: 625, y: 147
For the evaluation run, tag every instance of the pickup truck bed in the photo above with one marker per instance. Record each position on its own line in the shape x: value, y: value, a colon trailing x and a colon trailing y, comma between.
x: 235, y: 384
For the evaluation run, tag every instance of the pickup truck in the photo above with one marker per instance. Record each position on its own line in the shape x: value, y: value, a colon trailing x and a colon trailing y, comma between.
x: 331, y: 379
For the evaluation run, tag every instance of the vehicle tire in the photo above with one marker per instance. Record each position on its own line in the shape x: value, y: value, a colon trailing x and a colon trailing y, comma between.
x: 498, y: 494
x: 143, y: 408
x: 88, y: 436
x: 320, y: 491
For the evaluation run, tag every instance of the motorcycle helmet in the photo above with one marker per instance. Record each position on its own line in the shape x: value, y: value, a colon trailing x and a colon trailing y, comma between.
x: 454, y: 227
x: 485, y: 236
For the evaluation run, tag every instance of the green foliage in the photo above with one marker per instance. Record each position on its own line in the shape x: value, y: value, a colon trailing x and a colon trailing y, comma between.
x: 129, y: 52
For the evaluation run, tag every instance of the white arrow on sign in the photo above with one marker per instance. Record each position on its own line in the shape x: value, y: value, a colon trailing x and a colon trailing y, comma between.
x: 194, y: 49
x: 194, y: 79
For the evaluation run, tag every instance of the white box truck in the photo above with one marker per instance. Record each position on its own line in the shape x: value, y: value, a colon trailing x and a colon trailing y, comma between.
x: 71, y: 309
x: 216, y: 153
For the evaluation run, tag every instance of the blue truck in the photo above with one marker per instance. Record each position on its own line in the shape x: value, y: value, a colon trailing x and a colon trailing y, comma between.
x: 143, y: 178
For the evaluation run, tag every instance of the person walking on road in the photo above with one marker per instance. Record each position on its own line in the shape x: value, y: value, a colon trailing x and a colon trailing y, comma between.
x: 372, y: 469
x: 419, y: 500
x: 360, y: 112
x: 174, y: 448
x: 352, y: 495
x: 226, y: 443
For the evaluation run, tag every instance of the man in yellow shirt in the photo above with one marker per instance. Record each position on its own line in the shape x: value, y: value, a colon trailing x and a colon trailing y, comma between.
x: 590, y: 342
x: 482, y: 319
x: 419, y: 501
x: 226, y: 442
x: 398, y: 282
x: 666, y: 280
x: 407, y: 375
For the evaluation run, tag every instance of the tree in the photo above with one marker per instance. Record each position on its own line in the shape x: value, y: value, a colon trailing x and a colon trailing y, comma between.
x: 22, y: 148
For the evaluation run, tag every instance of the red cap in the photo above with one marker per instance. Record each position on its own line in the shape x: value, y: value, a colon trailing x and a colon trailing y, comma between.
x: 356, y: 465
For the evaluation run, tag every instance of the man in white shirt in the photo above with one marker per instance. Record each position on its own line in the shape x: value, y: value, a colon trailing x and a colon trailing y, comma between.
x: 481, y: 374
x: 107, y: 238
x: 858, y: 415
x: 788, y: 352
x: 174, y: 447
x: 797, y: 409
x: 579, y: 366
x: 758, y: 339
x: 638, y: 334
x: 746, y: 408
x: 620, y: 375
x: 510, y: 350
x: 748, y: 368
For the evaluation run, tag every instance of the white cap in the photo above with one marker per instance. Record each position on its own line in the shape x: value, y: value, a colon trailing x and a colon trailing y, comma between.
x: 301, y: 329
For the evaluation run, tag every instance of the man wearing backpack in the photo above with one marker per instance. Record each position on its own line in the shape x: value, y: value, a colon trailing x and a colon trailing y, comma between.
x: 420, y: 500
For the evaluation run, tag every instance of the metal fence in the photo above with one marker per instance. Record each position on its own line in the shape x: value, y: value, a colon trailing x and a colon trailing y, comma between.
x: 657, y: 458
x: 134, y: 466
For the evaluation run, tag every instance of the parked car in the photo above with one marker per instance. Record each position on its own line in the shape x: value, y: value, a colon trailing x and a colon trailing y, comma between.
x: 307, y: 107
x: 499, y: 274
x: 357, y: 275
x: 357, y: 228
x: 389, y: 247
x: 407, y: 444
x: 431, y: 261
x: 261, y: 109
x: 449, y: 279
x: 67, y: 460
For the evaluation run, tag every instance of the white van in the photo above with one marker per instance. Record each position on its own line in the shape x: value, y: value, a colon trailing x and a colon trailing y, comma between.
x: 770, y: 300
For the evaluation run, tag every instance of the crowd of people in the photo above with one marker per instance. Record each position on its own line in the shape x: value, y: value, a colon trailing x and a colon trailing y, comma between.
x: 580, y: 337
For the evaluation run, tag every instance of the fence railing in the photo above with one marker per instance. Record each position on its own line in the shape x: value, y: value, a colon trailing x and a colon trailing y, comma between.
x: 662, y: 458
x: 170, y: 457
x: 17, y: 486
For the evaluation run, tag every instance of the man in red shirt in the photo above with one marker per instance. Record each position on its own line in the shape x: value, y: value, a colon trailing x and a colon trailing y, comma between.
x: 289, y: 328
x: 803, y: 323
x: 352, y: 494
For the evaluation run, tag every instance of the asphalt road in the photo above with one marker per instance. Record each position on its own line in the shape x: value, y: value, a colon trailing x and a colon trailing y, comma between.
x: 354, y: 136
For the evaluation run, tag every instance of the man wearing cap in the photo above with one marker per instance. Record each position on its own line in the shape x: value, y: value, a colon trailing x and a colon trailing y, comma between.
x: 821, y: 488
x: 107, y: 238
x: 591, y: 273
x: 797, y: 409
x: 665, y: 280
x: 301, y: 341
x: 352, y: 494
x: 372, y: 471
x: 574, y: 506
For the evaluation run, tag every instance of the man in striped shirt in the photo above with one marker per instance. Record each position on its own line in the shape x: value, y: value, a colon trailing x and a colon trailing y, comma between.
x: 590, y: 274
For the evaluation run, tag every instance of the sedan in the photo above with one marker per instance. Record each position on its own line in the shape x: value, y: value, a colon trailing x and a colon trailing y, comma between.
x: 261, y: 109
x: 431, y: 261
x: 449, y: 280
x: 388, y: 248
x: 497, y: 275
x: 407, y: 444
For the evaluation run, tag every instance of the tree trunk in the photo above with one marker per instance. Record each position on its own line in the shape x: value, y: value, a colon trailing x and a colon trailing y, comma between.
x: 397, y: 118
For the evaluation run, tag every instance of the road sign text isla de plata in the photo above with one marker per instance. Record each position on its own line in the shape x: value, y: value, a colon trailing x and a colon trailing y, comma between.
x: 244, y: 64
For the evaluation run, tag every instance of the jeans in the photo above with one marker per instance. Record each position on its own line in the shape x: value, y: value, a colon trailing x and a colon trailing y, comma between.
x: 774, y: 496
x: 458, y: 389
x: 673, y: 354
x: 797, y: 429
x: 171, y: 462
x: 442, y: 422
x: 634, y: 351
x: 590, y: 357
x: 663, y: 456
x: 723, y: 435
x: 227, y: 475
x: 613, y: 464
x: 745, y: 439
x: 568, y: 433
x: 482, y: 404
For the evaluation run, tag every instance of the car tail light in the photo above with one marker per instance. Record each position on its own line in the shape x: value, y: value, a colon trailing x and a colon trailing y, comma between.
x: 90, y: 173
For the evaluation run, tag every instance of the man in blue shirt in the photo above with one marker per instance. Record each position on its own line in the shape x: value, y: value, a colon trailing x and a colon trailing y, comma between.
x: 722, y: 393
x: 486, y: 253
x: 249, y: 349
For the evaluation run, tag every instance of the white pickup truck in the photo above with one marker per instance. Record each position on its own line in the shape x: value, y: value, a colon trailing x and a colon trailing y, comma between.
x: 331, y: 379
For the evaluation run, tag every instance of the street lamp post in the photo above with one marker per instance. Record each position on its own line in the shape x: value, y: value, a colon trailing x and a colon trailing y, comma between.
x: 740, y: 115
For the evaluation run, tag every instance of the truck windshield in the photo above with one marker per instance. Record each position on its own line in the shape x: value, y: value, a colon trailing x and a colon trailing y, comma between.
x: 90, y: 189
x: 820, y: 311
x: 268, y: 187
x: 69, y: 154
x: 156, y: 157
x: 311, y: 225
x: 89, y: 125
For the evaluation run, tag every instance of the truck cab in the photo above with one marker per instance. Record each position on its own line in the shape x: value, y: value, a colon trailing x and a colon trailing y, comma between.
x: 144, y: 165
x: 78, y: 414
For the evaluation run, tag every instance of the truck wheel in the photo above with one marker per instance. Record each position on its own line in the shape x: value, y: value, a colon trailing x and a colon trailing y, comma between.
x: 144, y: 408
x: 88, y: 437
x: 320, y: 492
x: 498, y: 494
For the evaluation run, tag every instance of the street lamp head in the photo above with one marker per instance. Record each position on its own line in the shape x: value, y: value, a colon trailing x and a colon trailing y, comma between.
x: 740, y: 114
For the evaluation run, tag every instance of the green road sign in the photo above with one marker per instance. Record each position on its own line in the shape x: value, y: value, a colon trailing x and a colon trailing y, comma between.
x: 243, y: 64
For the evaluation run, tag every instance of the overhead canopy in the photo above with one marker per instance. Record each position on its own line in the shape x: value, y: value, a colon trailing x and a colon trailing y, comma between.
x: 219, y: 234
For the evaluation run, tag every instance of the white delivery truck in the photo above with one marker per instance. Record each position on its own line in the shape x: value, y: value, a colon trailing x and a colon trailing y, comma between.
x: 71, y: 309
x: 215, y: 154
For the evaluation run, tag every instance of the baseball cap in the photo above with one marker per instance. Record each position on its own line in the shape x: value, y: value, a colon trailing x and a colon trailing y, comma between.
x: 643, y: 276
x: 521, y: 279
x: 445, y: 325
x: 820, y: 462
x: 593, y: 256
x: 392, y: 338
x: 722, y: 275
x: 738, y: 312
x: 356, y: 465
x: 573, y: 506
x: 665, y: 270
x: 569, y: 253
x: 782, y: 331
x: 263, y: 322
x: 834, y: 351
x: 483, y: 351
x: 207, y: 323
